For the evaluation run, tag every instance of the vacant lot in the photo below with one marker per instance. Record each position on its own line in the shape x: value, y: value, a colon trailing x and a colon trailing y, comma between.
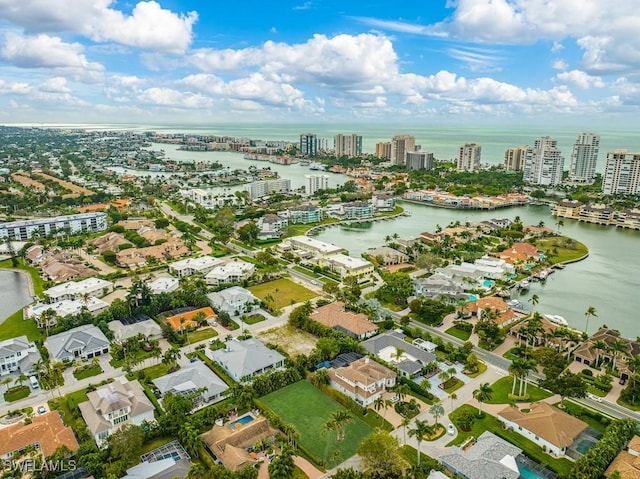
x: 290, y: 339
x: 292, y: 405
x: 282, y: 292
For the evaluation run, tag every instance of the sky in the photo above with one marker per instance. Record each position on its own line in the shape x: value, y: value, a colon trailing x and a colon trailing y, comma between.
x: 313, y: 61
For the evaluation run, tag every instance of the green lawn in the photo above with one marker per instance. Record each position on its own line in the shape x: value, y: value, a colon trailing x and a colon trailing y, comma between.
x: 15, y: 326
x: 154, y: 372
x: 202, y: 334
x: 502, y: 389
x: 482, y: 367
x: 68, y: 408
x: 490, y: 423
x: 306, y: 271
x: 459, y: 333
x: 83, y: 373
x: 287, y: 292
x: 557, y: 244
x: 17, y: 392
x: 292, y: 404
x: 254, y: 318
x: 453, y: 386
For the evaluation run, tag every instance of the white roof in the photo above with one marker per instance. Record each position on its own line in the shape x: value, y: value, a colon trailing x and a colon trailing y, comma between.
x: 65, y: 307
x: 89, y: 285
x: 233, y: 267
x: 163, y: 285
x: 350, y: 262
x: 202, y: 262
x: 320, y: 246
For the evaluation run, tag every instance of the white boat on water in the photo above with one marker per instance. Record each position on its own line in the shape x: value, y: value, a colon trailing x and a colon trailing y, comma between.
x: 557, y: 319
x: 316, y: 166
x: 524, y: 284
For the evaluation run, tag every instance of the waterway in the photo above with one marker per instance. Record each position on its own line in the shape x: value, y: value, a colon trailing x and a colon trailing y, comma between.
x: 606, y: 280
x: 14, y: 293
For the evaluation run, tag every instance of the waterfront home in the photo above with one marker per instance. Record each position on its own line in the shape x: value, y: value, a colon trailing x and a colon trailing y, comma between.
x: 234, y: 300
x: 232, y: 272
x: 79, y: 289
x: 195, y: 380
x: 607, y: 345
x: 363, y: 380
x: 191, y: 266
x: 491, y: 308
x: 112, y: 406
x: 334, y: 315
x: 567, y: 209
x: 319, y: 249
x: 627, y: 463
x: 393, y: 349
x: 83, y: 342
x: 17, y: 355
x: 548, y: 335
x: 386, y: 256
x: 547, y: 426
x: 487, y: 457
x: 190, y: 319
x: 348, y: 266
x: 271, y: 226
x: 46, y: 433
x: 520, y: 253
x: 383, y: 201
x: 439, y: 285
x: 47, y: 314
x: 598, y: 214
x: 303, y: 214
x: 243, y: 360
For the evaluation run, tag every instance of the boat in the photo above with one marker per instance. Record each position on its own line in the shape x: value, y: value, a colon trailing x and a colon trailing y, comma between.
x: 557, y: 319
x: 524, y: 284
x: 317, y: 166
x: 304, y: 163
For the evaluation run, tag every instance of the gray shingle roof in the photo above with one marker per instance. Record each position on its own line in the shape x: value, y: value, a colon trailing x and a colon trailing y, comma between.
x: 195, y: 376
x: 378, y: 343
x: 87, y: 338
x: 245, y: 358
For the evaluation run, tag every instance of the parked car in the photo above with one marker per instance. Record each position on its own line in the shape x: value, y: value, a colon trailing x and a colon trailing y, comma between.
x: 623, y: 381
x: 593, y: 397
x: 41, y: 410
x: 451, y: 430
x: 395, y: 399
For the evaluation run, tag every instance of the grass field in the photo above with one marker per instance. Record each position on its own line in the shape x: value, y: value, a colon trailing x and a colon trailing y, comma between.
x: 282, y: 292
x: 292, y: 404
x: 502, y: 389
x: 15, y: 326
x: 87, y: 372
x: 555, y: 248
x: 17, y: 392
x: 458, y: 333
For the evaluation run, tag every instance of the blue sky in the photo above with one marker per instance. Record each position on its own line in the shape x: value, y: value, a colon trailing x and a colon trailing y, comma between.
x: 428, y: 61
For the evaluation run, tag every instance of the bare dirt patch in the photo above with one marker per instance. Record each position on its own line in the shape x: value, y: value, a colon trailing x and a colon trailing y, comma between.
x: 290, y: 339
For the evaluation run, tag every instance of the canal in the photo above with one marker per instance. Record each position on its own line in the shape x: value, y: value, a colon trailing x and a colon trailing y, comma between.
x: 14, y: 293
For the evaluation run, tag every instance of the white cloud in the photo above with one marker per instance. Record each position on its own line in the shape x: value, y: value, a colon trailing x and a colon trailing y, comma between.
x: 580, y: 79
x: 55, y: 85
x: 14, y: 88
x: 560, y: 64
x: 174, y: 98
x: 149, y: 26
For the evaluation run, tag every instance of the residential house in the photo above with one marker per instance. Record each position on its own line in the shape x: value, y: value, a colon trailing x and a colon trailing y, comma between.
x: 147, y: 328
x: 230, y: 444
x: 189, y: 319
x: 243, y: 360
x: 489, y: 457
x: 386, y: 256
x: 83, y: 342
x: 47, y: 314
x: 163, y: 285
x: 318, y: 249
x: 191, y: 266
x: 169, y: 461
x: 234, y: 300
x: 547, y: 426
x: 520, y: 253
x: 46, y: 433
x: 627, y: 463
x: 347, y: 266
x: 17, y: 355
x: 334, y: 315
x: 141, y: 257
x: 393, y: 349
x: 109, y: 242
x: 231, y: 272
x: 439, y: 286
x: 114, y: 405
x: 492, y: 308
x: 271, y: 226
x: 195, y: 379
x: 79, y: 289
x: 614, y: 346
x: 363, y: 380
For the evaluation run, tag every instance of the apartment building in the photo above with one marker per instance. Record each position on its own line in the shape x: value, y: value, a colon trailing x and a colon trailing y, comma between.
x: 348, y: 145
x: 469, y: 156
x: 544, y: 163
x: 621, y: 173
x: 584, y: 158
x: 400, y: 145
x: 24, y: 230
x: 514, y: 158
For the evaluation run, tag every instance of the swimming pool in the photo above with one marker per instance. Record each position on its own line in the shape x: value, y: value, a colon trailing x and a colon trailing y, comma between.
x: 241, y: 421
x: 526, y: 473
x: 488, y: 283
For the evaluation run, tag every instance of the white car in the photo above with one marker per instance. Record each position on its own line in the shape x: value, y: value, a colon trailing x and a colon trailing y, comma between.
x: 593, y: 397
x: 395, y: 399
x: 451, y: 430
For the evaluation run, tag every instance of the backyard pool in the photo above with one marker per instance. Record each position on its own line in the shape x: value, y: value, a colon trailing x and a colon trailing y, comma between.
x: 532, y: 470
x: 241, y: 421
x: 488, y: 283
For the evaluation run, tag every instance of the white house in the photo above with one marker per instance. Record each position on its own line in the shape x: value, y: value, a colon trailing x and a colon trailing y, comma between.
x: 234, y: 300
x: 163, y: 285
x: 232, y: 272
x: 547, y: 426
x: 83, y: 342
x: 63, y: 308
x: 191, y: 266
x: 17, y: 355
x: 271, y: 226
x: 196, y: 379
x: 78, y: 289
x: 349, y: 266
x: 111, y: 406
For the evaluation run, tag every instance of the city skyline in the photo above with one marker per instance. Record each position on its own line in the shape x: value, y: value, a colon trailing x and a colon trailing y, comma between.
x: 102, y: 61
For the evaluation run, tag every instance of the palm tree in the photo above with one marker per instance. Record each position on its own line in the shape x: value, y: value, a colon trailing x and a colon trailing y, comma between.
x: 534, y: 300
x: 618, y: 346
x: 342, y: 418
x: 406, y: 422
x: 591, y: 311
x: 600, y: 346
x: 398, y: 354
x: 421, y: 429
x: 6, y: 382
x: 327, y: 428
x: 453, y: 397
x: 482, y: 394
x: 402, y: 391
x: 437, y: 410
x: 20, y: 379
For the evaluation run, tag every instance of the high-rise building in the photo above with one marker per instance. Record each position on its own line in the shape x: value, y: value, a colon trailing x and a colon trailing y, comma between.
x: 419, y: 160
x: 400, y: 145
x: 514, y: 158
x: 621, y: 173
x: 469, y: 157
x: 584, y: 158
x: 347, y: 145
x: 544, y: 163
x: 383, y: 150
x: 314, y: 183
x: 308, y: 144
x: 258, y: 189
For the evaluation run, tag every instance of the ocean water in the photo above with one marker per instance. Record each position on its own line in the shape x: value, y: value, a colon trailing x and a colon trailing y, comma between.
x: 442, y: 140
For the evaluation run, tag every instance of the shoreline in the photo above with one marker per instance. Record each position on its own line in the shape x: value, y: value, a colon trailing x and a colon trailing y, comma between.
x: 447, y: 207
x: 365, y: 220
x: 30, y: 288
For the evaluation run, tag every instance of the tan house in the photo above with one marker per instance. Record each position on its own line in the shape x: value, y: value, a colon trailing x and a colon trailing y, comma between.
x: 494, y: 308
x: 549, y: 427
x: 627, y: 463
x: 111, y: 241
x: 520, y: 253
x: 602, y: 344
x: 46, y: 432
x: 363, y: 380
x: 334, y: 315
